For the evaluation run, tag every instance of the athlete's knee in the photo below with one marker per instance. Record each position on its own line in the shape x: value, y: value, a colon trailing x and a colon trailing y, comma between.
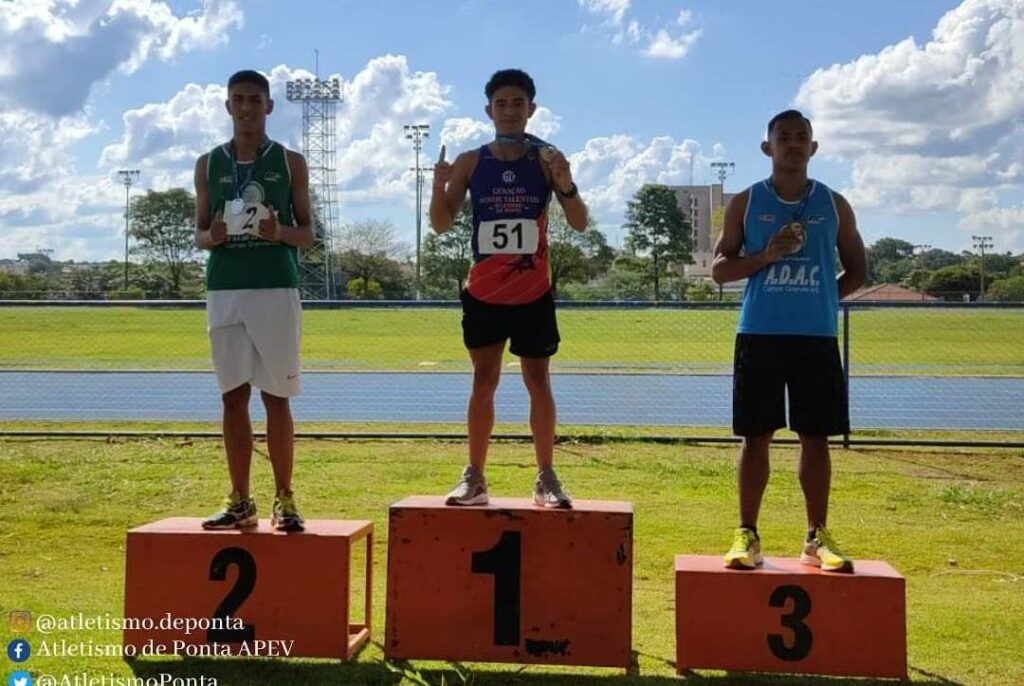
x: 237, y: 399
x: 537, y: 379
x: 756, y: 446
x: 274, y: 402
x: 813, y: 445
x: 485, y: 380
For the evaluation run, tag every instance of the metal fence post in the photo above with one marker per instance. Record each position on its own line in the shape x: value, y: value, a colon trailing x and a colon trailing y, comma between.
x: 846, y: 364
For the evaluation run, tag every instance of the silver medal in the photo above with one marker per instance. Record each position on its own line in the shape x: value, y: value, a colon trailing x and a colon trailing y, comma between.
x: 237, y: 205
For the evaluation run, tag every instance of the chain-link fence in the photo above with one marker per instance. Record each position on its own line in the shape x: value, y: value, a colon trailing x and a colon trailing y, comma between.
x: 955, y: 367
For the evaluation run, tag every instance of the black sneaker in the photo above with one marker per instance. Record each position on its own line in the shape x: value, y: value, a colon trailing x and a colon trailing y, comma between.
x: 238, y: 513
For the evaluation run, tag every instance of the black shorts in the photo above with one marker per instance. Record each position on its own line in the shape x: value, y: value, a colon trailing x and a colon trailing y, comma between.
x: 809, y: 366
x: 532, y: 327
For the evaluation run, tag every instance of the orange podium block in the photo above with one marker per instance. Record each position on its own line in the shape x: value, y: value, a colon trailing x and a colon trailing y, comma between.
x: 790, y: 617
x: 510, y: 582
x: 287, y: 594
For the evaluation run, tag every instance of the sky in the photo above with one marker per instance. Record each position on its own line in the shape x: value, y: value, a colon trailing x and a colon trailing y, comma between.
x: 918, y: 105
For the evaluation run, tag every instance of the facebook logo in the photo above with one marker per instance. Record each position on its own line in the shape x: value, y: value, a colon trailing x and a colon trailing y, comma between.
x: 18, y: 650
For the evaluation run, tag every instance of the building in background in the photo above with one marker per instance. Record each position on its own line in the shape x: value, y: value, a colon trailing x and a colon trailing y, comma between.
x: 699, y: 204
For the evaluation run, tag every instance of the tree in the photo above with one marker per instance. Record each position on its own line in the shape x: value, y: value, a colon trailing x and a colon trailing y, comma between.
x: 953, y: 281
x: 889, y: 260
x: 1007, y: 290
x: 575, y: 256
x: 357, y: 288
x: 629, y: 278
x: 658, y: 228
x: 891, y: 250
x: 369, y: 250
x: 163, y: 224
x: 717, y: 224
x: 448, y: 256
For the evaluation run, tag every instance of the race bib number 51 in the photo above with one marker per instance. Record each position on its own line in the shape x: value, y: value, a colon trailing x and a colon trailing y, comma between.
x: 247, y: 221
x: 508, y: 237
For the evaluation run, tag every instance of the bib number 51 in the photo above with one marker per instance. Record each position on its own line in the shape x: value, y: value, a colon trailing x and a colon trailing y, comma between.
x: 508, y: 237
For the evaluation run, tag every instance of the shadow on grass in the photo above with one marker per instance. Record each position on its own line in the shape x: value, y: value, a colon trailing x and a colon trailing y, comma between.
x: 256, y: 672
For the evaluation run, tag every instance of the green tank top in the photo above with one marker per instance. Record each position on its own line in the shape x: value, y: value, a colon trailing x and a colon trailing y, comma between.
x: 245, y: 261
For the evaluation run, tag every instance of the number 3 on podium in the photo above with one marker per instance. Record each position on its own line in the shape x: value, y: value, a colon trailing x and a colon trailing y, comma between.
x: 794, y: 621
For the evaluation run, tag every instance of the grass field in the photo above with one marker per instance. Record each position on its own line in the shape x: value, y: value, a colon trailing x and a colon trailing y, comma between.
x: 944, y: 342
x: 949, y: 521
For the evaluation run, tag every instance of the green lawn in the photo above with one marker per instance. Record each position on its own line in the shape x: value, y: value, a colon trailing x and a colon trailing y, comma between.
x: 944, y: 342
x: 949, y: 521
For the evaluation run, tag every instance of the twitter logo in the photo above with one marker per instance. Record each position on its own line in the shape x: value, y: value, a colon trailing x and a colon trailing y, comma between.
x: 19, y: 679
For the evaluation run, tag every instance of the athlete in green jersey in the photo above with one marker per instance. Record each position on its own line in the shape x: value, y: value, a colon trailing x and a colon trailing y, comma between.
x: 253, y: 214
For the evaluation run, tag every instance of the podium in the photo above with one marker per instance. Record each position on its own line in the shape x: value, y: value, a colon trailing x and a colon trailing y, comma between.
x: 254, y: 592
x: 790, y: 617
x: 510, y: 582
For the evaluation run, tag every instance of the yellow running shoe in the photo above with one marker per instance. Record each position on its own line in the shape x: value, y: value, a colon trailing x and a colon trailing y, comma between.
x: 745, y: 552
x: 285, y: 516
x: 822, y: 551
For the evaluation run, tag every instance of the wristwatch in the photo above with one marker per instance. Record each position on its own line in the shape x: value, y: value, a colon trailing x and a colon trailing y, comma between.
x: 571, y: 193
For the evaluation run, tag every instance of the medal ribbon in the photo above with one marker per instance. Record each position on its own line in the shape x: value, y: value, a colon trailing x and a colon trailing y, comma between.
x: 803, y: 200
x: 239, y: 187
x: 525, y: 139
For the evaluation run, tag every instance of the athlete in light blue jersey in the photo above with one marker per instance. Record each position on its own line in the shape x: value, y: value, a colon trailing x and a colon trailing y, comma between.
x: 782, y: 235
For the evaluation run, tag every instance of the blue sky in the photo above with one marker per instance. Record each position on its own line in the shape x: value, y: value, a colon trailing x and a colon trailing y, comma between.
x: 917, y: 104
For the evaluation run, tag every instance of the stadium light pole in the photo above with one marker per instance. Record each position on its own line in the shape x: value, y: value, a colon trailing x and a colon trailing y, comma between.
x: 416, y: 133
x: 723, y: 169
x: 980, y: 243
x: 923, y: 247
x: 128, y: 178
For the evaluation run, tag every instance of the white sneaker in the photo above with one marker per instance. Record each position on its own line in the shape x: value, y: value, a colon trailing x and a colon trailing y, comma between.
x: 471, y: 489
x: 547, y: 492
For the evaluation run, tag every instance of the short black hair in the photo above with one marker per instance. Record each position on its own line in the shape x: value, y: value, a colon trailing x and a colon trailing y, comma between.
x: 510, y: 77
x: 788, y: 114
x: 250, y: 76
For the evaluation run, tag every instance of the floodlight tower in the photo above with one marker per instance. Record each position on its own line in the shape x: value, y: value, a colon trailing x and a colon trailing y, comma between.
x: 319, y: 103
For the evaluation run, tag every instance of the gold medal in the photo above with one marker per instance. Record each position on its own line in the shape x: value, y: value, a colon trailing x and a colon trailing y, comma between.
x: 797, y: 230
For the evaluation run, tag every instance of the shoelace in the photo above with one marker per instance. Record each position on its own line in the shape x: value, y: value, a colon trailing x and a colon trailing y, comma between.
x: 742, y: 540
x: 286, y: 504
x: 825, y: 540
x: 552, y: 487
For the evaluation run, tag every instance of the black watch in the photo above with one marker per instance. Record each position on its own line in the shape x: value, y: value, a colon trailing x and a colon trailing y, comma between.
x: 571, y: 193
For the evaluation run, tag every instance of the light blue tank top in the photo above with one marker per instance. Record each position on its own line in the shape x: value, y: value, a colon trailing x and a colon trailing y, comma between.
x: 798, y: 295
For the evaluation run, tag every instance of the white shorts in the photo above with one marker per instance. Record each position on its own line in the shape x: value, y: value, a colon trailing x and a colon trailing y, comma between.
x: 254, y: 337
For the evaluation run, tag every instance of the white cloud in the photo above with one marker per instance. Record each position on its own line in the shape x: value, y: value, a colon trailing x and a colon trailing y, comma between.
x: 1004, y: 224
x: 614, y: 10
x: 663, y: 45
x: 39, y: 40
x: 462, y: 133
x: 663, y: 42
x: 934, y: 126
x: 610, y: 169
x: 34, y: 148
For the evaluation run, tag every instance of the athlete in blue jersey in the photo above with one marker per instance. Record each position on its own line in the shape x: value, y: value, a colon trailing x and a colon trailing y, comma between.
x: 782, y: 234
x: 508, y: 293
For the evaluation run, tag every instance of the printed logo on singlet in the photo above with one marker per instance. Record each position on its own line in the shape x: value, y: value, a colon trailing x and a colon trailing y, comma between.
x: 509, y: 177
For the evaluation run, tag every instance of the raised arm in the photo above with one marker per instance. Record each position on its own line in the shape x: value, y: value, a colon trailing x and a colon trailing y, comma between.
x: 449, y: 191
